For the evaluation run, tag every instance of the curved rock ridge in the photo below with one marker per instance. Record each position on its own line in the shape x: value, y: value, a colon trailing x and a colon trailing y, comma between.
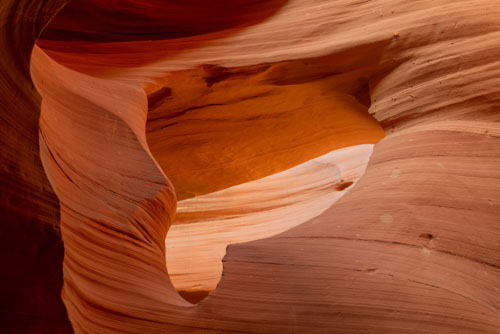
x: 205, y: 225
x: 412, y: 247
x: 103, y: 226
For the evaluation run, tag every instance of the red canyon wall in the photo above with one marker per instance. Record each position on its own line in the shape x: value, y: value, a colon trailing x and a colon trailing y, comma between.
x: 31, y: 249
x: 411, y: 248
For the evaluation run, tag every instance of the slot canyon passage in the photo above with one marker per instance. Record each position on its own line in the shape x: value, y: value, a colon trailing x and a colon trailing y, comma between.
x: 250, y: 124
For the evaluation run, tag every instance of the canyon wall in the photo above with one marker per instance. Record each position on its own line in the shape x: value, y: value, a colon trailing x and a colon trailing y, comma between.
x: 31, y: 250
x: 412, y: 247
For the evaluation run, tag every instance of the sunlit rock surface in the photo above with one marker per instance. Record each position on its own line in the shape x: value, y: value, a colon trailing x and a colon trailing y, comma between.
x: 146, y: 104
x: 207, y: 224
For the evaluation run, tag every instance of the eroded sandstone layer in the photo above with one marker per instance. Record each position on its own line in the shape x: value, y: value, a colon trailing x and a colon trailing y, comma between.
x: 411, y: 248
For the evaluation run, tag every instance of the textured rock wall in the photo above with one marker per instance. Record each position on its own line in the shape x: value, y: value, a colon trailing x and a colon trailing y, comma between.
x: 31, y: 250
x: 412, y: 248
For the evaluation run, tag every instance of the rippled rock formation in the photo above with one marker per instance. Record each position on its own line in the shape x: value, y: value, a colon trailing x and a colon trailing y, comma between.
x: 239, y: 125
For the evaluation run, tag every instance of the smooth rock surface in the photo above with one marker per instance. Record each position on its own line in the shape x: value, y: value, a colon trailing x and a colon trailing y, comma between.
x: 413, y: 247
x: 205, y: 225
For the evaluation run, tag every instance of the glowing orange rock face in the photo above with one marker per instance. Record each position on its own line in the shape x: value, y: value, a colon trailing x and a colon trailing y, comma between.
x: 411, y: 248
x: 215, y: 127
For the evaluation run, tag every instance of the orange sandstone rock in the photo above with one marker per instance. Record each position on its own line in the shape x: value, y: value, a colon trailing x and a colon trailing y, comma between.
x: 411, y: 248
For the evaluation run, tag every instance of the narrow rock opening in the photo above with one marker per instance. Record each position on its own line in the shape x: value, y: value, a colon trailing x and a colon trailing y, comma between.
x: 252, y: 152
